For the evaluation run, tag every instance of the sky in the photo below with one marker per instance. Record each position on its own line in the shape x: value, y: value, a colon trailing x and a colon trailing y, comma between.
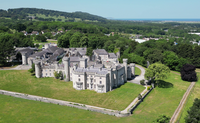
x: 116, y: 9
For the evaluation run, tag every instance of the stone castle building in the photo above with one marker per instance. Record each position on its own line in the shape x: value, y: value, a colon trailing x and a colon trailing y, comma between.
x: 101, y: 73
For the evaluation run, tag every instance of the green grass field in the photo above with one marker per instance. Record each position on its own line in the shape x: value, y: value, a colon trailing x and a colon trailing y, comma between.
x: 195, y: 93
x: 160, y: 101
x: 23, y: 82
x: 137, y: 71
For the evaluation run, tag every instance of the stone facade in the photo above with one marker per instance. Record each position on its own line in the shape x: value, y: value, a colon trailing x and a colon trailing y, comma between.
x: 102, y: 74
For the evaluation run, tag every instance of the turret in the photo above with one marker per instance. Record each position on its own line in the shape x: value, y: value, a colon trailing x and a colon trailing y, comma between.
x: 110, y: 71
x: 66, y: 62
x: 83, y: 63
x: 125, y: 65
x: 24, y: 58
x: 132, y: 65
x: 38, y: 70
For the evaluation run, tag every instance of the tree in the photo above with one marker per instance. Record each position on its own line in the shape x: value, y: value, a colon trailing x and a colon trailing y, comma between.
x: 75, y: 39
x: 20, y: 27
x: 40, y: 38
x: 162, y: 119
x: 157, y: 71
x: 188, y: 73
x: 89, y: 52
x: 194, y: 112
x: 64, y: 40
x: 84, y: 41
x: 6, y: 48
x: 37, y: 45
x: 170, y: 59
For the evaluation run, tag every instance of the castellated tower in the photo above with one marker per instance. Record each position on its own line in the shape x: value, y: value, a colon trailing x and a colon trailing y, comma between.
x: 38, y: 70
x: 66, y: 62
x: 83, y: 63
x: 125, y: 65
x: 132, y: 65
x: 110, y: 71
x: 24, y: 58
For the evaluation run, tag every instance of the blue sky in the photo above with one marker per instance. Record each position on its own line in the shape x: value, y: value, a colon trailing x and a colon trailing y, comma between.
x: 118, y: 9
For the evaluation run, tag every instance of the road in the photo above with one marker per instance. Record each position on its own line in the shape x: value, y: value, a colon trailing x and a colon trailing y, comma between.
x: 137, y: 79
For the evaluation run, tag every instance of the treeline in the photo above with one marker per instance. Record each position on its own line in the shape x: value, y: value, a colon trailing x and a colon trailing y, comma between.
x: 8, y: 41
x: 75, y: 38
x: 166, y: 52
x: 22, y: 13
x: 30, y: 26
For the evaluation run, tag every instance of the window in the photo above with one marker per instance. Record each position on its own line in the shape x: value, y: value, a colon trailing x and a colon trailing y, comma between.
x: 100, y: 77
x: 94, y: 80
x: 50, y: 70
x: 50, y: 74
x: 94, y: 86
x: 100, y: 82
x: 91, y: 80
x: 79, y: 76
x: 91, y: 75
x: 79, y: 80
x: 87, y: 85
x: 46, y: 70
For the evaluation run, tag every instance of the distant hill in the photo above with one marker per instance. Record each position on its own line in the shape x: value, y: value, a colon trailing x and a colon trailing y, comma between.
x: 49, y: 15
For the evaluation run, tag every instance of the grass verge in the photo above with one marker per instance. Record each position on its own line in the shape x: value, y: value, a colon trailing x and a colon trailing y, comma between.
x: 23, y: 82
x: 160, y: 101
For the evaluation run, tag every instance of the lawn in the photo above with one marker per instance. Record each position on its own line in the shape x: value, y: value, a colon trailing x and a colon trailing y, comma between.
x: 195, y: 93
x: 160, y: 101
x: 137, y: 71
x: 23, y: 82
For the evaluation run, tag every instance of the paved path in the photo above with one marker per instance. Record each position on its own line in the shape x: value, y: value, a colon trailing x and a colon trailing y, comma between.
x: 133, y: 103
x: 19, y: 67
x: 181, y: 104
x: 137, y: 79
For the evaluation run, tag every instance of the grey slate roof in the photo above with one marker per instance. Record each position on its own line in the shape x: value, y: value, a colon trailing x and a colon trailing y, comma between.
x: 112, y: 55
x: 27, y: 50
x: 82, y: 52
x: 53, y: 58
x: 74, y: 59
x: 52, y: 49
x: 103, y: 71
x: 39, y: 53
x: 101, y: 52
x: 58, y: 51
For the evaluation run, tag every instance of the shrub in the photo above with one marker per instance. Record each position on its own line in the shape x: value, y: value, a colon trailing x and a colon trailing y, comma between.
x: 162, y: 119
x: 142, y: 82
x: 139, y: 97
x: 148, y: 88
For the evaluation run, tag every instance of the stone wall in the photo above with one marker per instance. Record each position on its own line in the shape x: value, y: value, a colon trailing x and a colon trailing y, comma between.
x: 139, y: 101
x: 66, y: 103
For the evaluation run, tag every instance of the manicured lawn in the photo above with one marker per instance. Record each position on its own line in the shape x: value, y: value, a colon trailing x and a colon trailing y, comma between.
x: 194, y: 94
x: 137, y: 71
x: 160, y: 101
x: 23, y: 82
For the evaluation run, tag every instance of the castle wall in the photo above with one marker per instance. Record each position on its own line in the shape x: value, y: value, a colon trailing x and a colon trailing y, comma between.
x: 120, y: 76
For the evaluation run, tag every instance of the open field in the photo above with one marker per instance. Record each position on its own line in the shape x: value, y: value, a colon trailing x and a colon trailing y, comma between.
x: 195, y: 93
x: 23, y: 82
x: 162, y: 100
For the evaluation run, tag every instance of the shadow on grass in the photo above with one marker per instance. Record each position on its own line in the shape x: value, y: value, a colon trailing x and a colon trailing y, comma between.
x: 164, y: 84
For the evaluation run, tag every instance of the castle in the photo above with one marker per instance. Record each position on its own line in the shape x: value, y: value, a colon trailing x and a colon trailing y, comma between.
x: 101, y: 72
